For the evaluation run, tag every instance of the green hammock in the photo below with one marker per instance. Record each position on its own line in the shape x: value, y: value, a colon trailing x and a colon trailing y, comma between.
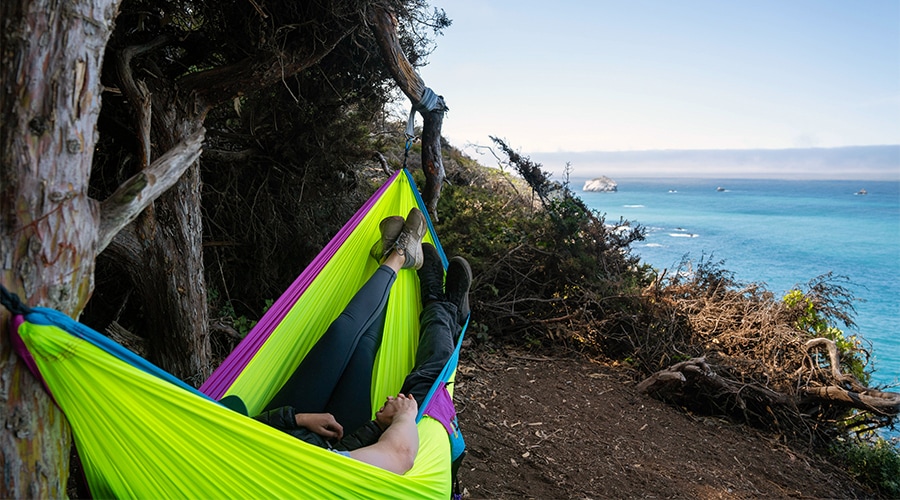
x: 140, y: 432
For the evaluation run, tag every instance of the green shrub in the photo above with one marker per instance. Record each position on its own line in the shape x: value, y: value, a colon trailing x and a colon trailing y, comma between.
x: 875, y: 463
x: 547, y: 268
x: 811, y: 320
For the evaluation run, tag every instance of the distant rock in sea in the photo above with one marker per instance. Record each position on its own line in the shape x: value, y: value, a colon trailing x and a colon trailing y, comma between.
x: 601, y: 184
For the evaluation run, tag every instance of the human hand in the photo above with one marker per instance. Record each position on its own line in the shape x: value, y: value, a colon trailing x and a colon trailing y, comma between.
x: 322, y: 424
x: 395, y: 407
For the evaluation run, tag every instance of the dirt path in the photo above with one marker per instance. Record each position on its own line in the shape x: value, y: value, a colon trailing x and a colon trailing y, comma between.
x: 565, y: 428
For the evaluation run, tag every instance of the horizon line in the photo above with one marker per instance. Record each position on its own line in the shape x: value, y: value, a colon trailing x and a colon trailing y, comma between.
x: 804, y: 148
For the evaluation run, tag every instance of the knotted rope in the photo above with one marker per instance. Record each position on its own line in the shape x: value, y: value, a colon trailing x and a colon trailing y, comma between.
x: 12, y: 302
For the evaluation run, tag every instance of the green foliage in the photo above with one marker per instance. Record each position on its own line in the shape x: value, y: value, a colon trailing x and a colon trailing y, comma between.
x: 812, y: 321
x: 478, y: 331
x: 537, y: 265
x: 242, y: 324
x: 874, y: 462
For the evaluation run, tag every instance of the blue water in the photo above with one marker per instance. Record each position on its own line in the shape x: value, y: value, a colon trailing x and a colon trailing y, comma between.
x: 781, y: 233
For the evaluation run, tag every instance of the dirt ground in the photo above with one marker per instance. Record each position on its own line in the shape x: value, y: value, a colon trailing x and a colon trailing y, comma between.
x: 565, y: 427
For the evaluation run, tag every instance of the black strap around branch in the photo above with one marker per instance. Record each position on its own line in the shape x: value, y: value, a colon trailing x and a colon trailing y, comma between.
x: 12, y: 302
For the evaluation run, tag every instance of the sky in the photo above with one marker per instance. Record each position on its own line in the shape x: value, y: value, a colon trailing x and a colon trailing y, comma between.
x: 578, y: 76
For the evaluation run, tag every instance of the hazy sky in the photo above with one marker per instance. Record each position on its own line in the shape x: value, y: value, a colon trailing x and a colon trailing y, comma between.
x: 664, y: 74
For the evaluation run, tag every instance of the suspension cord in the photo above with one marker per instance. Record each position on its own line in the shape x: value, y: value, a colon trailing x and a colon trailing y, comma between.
x: 428, y: 102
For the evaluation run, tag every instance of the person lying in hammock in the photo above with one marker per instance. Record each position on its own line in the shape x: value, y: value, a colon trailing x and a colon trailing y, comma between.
x: 329, y: 391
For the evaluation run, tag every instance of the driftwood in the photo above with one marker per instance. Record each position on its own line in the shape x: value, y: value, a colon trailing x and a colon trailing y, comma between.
x: 697, y: 373
x: 675, y: 375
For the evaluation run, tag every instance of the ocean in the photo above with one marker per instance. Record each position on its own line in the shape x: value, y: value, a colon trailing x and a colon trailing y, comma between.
x: 780, y: 233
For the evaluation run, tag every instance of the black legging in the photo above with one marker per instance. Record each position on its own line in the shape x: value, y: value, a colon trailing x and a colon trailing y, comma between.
x: 336, y: 374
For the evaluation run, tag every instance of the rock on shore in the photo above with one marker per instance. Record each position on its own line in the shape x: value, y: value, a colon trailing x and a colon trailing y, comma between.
x: 601, y: 184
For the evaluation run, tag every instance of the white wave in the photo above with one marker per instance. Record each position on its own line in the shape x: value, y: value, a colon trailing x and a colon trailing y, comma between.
x: 653, y: 245
x: 633, y: 206
x: 683, y: 235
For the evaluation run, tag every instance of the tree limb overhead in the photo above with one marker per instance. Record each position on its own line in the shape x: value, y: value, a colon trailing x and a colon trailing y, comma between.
x: 219, y: 84
x: 138, y: 192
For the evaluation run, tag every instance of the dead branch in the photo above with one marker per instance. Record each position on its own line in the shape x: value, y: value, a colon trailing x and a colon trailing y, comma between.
x: 882, y: 403
x: 835, y: 363
x: 382, y: 161
x: 122, y: 336
x: 137, y: 94
x: 224, y: 156
x: 257, y: 71
x: 138, y: 192
x: 675, y: 375
x: 848, y: 390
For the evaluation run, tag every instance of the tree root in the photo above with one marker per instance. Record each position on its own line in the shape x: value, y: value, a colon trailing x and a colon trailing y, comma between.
x: 694, y: 382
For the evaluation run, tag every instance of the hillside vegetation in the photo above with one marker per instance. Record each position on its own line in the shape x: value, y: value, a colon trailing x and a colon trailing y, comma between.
x: 551, y: 274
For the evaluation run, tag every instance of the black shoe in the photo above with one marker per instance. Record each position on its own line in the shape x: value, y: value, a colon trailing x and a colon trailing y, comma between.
x: 459, y: 279
x: 431, y: 275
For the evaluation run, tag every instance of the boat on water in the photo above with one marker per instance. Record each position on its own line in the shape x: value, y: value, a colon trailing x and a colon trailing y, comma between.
x: 861, y: 192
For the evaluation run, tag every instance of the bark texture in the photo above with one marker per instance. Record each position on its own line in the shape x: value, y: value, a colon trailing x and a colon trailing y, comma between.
x: 162, y: 250
x: 49, y: 102
x: 50, y: 229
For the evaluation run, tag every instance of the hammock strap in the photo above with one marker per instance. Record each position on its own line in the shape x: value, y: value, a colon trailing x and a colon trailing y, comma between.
x: 428, y: 102
x: 19, y: 310
x: 12, y: 302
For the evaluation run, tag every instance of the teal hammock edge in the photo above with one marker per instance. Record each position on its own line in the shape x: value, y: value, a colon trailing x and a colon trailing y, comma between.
x: 52, y: 317
x: 46, y: 316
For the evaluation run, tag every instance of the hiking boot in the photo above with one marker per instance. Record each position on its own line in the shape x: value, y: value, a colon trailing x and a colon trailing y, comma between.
x: 390, y: 229
x: 459, y: 279
x: 431, y: 275
x: 409, y: 243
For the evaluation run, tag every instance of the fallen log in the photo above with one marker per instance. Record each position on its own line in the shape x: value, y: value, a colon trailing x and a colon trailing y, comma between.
x: 674, y: 375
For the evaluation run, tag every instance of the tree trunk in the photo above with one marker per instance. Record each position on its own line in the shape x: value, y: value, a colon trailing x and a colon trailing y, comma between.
x: 432, y: 108
x: 49, y: 103
x: 162, y: 250
x: 50, y: 230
